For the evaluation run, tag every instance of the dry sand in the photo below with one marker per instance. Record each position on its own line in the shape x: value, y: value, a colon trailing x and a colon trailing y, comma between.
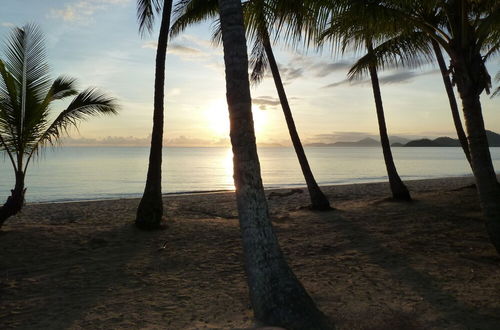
x: 371, y: 264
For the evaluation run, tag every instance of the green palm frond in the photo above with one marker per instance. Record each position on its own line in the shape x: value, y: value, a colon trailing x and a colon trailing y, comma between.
x: 9, y: 106
x: 189, y: 12
x: 26, y: 95
x: 146, y: 11
x: 410, y: 50
x: 89, y: 103
x: 25, y: 59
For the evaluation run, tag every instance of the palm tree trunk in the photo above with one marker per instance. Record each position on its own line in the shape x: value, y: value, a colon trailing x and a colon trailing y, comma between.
x: 453, y: 102
x: 278, y: 298
x: 398, y: 188
x: 318, y: 199
x: 469, y: 71
x: 150, y: 210
x: 15, y: 201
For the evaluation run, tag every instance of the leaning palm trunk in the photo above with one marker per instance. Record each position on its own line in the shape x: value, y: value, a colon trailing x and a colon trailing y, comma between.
x: 150, y: 210
x: 318, y: 199
x: 15, y: 201
x: 469, y: 79
x: 398, y: 188
x: 278, y: 298
x: 453, y: 102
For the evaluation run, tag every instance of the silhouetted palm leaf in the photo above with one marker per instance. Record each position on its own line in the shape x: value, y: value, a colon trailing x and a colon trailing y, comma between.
x: 146, y: 10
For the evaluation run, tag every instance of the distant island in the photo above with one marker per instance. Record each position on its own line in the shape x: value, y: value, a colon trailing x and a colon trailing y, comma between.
x: 493, y: 140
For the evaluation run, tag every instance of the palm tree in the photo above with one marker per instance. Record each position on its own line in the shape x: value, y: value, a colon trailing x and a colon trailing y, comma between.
x: 278, y: 298
x: 26, y: 96
x: 398, y: 188
x: 348, y: 27
x: 150, y: 209
x: 469, y: 32
x: 452, y: 100
x: 258, y: 17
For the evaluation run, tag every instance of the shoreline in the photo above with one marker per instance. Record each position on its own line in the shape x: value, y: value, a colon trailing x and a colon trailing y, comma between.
x: 268, y: 189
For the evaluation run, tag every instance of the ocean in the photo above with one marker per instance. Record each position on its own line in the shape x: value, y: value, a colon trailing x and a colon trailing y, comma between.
x: 88, y: 173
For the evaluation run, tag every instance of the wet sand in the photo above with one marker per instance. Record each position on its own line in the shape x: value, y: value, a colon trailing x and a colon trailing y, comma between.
x: 370, y: 264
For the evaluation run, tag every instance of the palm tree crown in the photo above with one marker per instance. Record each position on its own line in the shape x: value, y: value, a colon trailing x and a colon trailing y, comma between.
x: 26, y: 97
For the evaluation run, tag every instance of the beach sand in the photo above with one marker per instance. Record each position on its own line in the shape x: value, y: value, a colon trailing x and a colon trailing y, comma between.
x: 370, y: 264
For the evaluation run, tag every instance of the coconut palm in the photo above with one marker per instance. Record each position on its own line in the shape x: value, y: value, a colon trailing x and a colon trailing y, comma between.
x: 150, y: 209
x: 278, y: 298
x: 259, y: 17
x: 409, y: 48
x: 455, y: 113
x: 469, y: 33
x: 26, y: 97
x: 348, y: 28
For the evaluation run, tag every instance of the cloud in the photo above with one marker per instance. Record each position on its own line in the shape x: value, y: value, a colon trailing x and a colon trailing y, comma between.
x: 300, y: 66
x: 150, y: 44
x: 132, y: 141
x: 115, y: 141
x: 82, y: 11
x: 340, y: 136
x: 183, y: 141
x: 7, y: 24
x: 177, y: 49
x: 347, y: 82
x: 323, y: 69
x: 394, y: 78
x: 263, y: 102
x: 181, y: 50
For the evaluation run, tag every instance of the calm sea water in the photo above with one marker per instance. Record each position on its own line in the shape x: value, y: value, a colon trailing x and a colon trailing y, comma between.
x: 72, y: 173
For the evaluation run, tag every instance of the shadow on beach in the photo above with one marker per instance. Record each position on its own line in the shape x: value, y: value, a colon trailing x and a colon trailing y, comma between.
x: 370, y: 265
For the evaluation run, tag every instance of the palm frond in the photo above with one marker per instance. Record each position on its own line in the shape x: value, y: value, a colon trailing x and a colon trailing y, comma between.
x: 25, y: 59
x: 258, y: 62
x: 189, y: 12
x: 406, y: 50
x: 497, y: 90
x: 146, y: 11
x: 86, y: 104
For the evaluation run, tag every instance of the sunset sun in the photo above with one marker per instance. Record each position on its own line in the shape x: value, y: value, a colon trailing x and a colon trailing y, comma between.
x: 217, y: 118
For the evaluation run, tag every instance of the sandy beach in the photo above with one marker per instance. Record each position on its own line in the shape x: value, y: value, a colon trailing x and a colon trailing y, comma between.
x: 370, y: 264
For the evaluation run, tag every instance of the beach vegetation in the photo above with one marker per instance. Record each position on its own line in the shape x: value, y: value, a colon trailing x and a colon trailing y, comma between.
x: 27, y: 95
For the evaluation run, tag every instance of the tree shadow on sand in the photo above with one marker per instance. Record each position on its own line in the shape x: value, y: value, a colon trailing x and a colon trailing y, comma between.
x: 453, y: 312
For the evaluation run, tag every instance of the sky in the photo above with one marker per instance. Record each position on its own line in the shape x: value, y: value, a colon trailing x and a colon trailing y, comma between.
x: 97, y: 41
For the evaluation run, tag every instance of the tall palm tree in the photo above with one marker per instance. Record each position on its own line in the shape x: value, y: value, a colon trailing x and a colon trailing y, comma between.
x: 348, y: 27
x: 278, y: 298
x: 259, y: 16
x: 469, y: 33
x: 410, y: 48
x: 150, y: 210
x: 455, y: 113
x: 26, y: 96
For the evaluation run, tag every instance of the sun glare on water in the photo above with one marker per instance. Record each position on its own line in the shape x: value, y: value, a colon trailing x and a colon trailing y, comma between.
x: 217, y: 117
